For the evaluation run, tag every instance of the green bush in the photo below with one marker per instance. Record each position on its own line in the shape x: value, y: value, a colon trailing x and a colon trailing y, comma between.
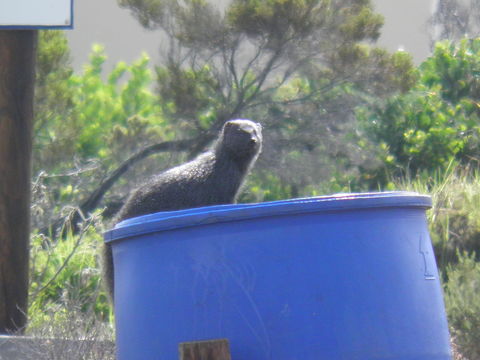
x: 436, y: 121
x: 65, y: 276
x: 462, y: 291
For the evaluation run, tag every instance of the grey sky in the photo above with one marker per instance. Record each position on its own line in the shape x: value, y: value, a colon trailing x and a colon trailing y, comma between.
x: 124, y: 39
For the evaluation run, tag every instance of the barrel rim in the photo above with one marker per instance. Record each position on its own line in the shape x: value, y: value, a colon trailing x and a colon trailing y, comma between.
x: 170, y: 220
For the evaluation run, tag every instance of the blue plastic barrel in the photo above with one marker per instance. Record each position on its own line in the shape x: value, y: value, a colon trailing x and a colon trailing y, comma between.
x: 349, y: 277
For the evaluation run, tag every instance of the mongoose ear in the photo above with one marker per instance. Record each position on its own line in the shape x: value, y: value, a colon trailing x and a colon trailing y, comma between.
x: 230, y: 127
x: 244, y: 125
x: 229, y: 124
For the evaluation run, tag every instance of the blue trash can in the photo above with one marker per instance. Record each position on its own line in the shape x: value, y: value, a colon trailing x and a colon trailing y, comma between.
x: 350, y: 276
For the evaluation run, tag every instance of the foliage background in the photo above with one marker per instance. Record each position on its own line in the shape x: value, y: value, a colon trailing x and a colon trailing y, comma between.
x: 340, y: 118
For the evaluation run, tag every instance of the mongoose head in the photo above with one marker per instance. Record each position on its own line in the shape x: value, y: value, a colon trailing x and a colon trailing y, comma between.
x: 241, y: 138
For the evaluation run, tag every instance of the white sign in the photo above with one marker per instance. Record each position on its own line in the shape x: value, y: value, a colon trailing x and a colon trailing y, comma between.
x: 36, y: 14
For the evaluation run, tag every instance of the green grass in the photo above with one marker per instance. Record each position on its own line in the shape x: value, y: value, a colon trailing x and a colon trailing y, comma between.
x: 67, y: 300
x: 454, y: 222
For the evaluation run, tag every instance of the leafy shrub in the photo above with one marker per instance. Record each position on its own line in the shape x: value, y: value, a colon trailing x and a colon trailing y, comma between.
x: 118, y: 114
x: 463, y: 308
x: 64, y: 272
x: 87, y: 124
x: 92, y: 114
x: 437, y: 121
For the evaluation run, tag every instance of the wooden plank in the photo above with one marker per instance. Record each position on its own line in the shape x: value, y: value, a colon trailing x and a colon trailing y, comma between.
x: 217, y: 349
x: 17, y: 75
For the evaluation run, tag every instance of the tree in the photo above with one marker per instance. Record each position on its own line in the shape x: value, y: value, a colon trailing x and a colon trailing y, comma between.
x: 17, y: 51
x: 454, y: 20
x: 299, y: 66
x: 54, y: 109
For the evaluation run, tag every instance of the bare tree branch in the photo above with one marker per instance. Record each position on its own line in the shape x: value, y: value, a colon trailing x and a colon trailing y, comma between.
x: 92, y: 202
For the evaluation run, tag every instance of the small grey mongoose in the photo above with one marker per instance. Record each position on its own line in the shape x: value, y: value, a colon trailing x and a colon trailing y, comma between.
x: 212, y: 178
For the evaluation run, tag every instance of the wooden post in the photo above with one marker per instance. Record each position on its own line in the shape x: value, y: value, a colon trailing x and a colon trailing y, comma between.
x: 17, y: 75
x: 205, y: 350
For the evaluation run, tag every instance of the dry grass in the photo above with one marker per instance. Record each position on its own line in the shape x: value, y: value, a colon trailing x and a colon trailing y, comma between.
x: 69, y: 336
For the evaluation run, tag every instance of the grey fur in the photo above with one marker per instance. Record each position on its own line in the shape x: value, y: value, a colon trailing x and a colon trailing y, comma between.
x: 214, y: 177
